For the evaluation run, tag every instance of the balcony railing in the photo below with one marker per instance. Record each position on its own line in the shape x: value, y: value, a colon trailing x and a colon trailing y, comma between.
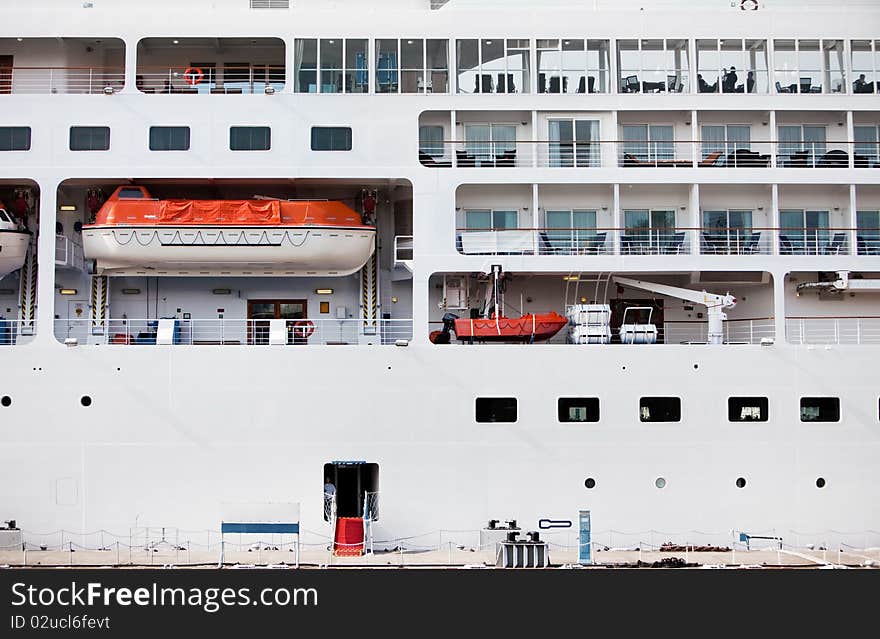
x: 205, y: 80
x: 248, y: 332
x: 634, y: 154
x: 81, y: 80
x: 832, y: 330
x: 16, y: 331
x: 68, y: 254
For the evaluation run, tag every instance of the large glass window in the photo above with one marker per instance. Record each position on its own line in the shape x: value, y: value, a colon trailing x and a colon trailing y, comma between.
x: 489, y: 142
x: 572, y: 65
x: 568, y: 231
x: 650, y: 231
x: 801, y: 145
x: 490, y: 220
x: 803, y: 232
x: 574, y: 143
x: 652, y: 66
x: 387, y: 66
x: 866, y: 147
x: 865, y: 65
x: 331, y: 65
x: 493, y: 65
x: 868, y: 234
x: 808, y: 66
x: 648, y: 143
x: 727, y: 232
x: 726, y: 139
x: 412, y: 65
x: 731, y: 65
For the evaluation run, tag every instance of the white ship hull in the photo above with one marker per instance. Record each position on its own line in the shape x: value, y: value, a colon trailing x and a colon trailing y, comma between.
x: 13, y: 250
x: 243, y: 250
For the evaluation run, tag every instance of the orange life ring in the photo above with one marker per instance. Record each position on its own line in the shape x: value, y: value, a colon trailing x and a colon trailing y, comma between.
x: 303, y: 328
x: 193, y: 75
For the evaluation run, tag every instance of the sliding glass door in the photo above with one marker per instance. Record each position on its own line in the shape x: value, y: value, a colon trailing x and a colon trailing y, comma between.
x: 568, y: 231
x: 803, y: 232
x: 574, y: 143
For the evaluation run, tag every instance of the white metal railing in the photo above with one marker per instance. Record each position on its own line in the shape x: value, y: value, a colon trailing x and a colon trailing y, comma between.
x: 748, y: 331
x: 83, y: 80
x: 254, y: 78
x: 68, y: 253
x: 14, y: 331
x: 832, y: 330
x: 250, y: 332
x: 708, y: 153
x: 581, y: 241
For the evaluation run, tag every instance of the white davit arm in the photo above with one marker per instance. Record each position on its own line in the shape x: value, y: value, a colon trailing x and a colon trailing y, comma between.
x: 713, y: 302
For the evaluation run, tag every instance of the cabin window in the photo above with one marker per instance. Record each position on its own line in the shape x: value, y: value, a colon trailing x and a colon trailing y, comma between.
x: 331, y: 138
x: 660, y: 409
x: 331, y: 65
x: 495, y: 409
x: 820, y: 409
x: 572, y: 65
x: 747, y: 409
x: 250, y: 138
x: 90, y: 138
x: 578, y: 409
x: 15, y: 138
x: 169, y: 138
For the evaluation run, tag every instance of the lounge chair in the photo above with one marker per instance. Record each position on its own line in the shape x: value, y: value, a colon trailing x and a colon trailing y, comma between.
x: 675, y: 244
x: 752, y: 245
x: 834, y: 158
x: 464, y: 159
x: 594, y: 245
x: 711, y: 160
x: 786, y: 246
x: 836, y: 245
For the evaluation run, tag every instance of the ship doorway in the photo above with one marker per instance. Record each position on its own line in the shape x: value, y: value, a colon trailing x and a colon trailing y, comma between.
x: 261, y: 311
x: 355, y: 482
x: 618, y: 306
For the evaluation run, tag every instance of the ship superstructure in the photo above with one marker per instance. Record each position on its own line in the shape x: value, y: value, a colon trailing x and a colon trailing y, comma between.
x: 353, y: 227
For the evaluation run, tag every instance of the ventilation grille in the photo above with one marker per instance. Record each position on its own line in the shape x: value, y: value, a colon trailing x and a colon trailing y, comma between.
x: 270, y: 4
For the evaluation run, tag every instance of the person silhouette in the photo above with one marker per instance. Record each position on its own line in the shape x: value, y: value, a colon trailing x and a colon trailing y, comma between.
x: 750, y: 81
x: 728, y: 82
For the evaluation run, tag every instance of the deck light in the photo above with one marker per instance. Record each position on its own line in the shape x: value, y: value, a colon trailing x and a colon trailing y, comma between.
x: 68, y: 207
x: 269, y: 90
x: 109, y: 91
x: 324, y: 291
x: 222, y: 291
x: 71, y: 341
x: 68, y: 291
x: 401, y: 342
x: 131, y: 291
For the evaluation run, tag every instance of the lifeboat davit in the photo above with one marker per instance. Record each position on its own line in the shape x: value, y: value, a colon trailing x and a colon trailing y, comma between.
x: 533, y: 327
x: 135, y: 234
x: 13, y: 244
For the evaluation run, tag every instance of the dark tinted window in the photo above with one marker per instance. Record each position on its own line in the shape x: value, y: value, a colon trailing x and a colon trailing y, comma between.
x: 820, y: 409
x: 578, y: 409
x: 660, y: 409
x: 169, y: 138
x: 249, y: 138
x: 15, y: 138
x: 496, y: 409
x: 90, y: 138
x: 747, y: 409
x: 130, y: 194
x: 331, y: 138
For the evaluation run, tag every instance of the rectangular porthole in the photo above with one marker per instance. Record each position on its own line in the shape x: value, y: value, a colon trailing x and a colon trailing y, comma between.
x: 169, y: 138
x: 15, y: 138
x: 747, y: 409
x: 660, y: 409
x: 250, y: 138
x: 331, y: 138
x: 90, y: 138
x: 820, y: 409
x: 495, y: 409
x: 578, y: 409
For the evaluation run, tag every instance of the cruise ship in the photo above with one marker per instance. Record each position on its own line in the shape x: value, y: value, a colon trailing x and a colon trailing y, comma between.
x: 461, y: 261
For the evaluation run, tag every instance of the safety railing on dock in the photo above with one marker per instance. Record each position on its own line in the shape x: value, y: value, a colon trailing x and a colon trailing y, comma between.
x: 228, y: 332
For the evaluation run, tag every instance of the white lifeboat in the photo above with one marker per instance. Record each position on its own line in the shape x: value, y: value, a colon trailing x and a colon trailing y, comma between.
x: 13, y: 244
x: 135, y: 234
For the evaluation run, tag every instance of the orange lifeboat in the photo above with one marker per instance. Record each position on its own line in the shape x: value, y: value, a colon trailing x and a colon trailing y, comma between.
x: 136, y: 234
x: 533, y: 327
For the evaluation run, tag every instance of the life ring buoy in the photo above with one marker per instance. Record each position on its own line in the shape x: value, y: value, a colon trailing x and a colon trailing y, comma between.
x: 303, y: 328
x: 193, y: 75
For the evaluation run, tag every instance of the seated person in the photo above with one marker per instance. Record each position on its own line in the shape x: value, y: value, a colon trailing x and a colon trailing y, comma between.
x: 705, y: 87
x: 860, y: 86
x: 728, y: 81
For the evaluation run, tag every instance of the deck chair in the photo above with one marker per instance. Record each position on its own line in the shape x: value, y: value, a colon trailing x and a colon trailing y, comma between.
x: 712, y: 159
x: 836, y: 245
x: 786, y: 246
x: 675, y: 244
x: 752, y: 244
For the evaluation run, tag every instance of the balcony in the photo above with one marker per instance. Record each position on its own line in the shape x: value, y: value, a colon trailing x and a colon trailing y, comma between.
x: 811, y: 241
x: 574, y: 241
x: 73, y: 80
x: 832, y: 330
x: 642, y: 154
x: 232, y: 331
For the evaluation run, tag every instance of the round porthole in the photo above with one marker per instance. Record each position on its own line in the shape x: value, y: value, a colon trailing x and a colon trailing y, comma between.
x: 590, y: 482
x: 820, y: 482
x: 6, y: 400
x: 85, y: 400
x: 660, y: 482
x: 740, y: 482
